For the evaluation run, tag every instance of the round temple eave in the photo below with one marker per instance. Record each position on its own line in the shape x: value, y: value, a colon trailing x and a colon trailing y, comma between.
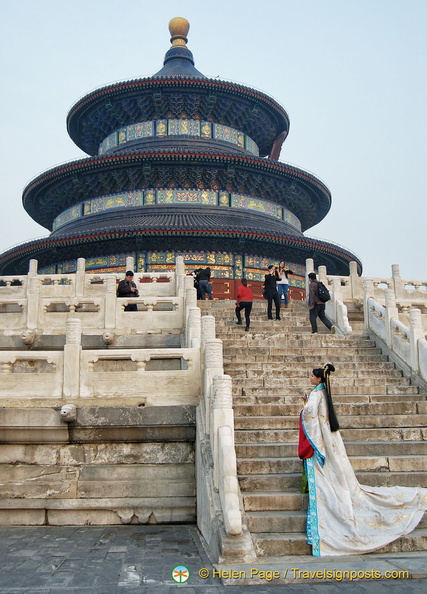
x: 52, y: 249
x: 55, y: 190
x: 102, y: 112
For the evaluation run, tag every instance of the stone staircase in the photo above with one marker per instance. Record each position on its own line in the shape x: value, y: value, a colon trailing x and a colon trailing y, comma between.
x: 383, y: 419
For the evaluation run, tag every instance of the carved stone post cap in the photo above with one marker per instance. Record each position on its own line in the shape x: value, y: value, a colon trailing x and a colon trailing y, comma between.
x: 415, y: 317
x: 222, y: 392
x: 308, y: 262
x: 73, y: 331
x: 390, y: 298
x: 33, y: 265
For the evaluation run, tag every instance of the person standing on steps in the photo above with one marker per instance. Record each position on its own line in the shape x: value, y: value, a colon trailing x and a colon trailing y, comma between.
x: 270, y: 292
x: 343, y: 516
x: 283, y: 283
x: 316, y: 306
x: 244, y: 301
x: 204, y: 283
x: 195, y: 275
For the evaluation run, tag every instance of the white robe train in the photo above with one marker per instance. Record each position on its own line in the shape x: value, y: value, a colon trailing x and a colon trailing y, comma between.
x: 344, y: 517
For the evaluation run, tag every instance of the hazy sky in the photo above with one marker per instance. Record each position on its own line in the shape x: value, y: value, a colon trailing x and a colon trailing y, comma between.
x: 350, y: 73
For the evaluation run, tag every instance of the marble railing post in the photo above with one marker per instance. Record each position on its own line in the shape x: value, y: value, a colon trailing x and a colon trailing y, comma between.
x: 322, y: 275
x: 193, y: 329
x: 337, y: 289
x: 208, y: 327
x: 80, y: 277
x: 214, y: 365
x: 130, y: 263
x: 110, y: 302
x: 390, y: 313
x: 190, y: 297
x: 180, y: 275
x: 221, y: 415
x: 355, y: 282
x: 207, y: 333
x: 229, y: 485
x: 416, y: 333
x: 72, y: 353
x: 368, y: 292
x: 332, y: 305
x: 397, y: 281
x: 32, y: 269
x: 309, y: 267
x: 33, y: 301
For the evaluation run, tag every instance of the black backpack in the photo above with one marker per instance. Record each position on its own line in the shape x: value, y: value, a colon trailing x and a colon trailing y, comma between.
x: 322, y: 292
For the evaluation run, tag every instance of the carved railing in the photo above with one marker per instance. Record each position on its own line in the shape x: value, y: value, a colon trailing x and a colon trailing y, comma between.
x: 350, y: 290
x: 384, y: 302
x: 408, y: 293
x: 408, y: 343
x: 46, y: 302
x: 218, y: 423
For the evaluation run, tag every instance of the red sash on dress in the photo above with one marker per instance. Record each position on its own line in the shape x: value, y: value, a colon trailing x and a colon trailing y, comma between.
x: 305, y: 449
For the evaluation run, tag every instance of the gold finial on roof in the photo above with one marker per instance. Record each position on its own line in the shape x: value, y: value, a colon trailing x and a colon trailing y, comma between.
x: 178, y: 28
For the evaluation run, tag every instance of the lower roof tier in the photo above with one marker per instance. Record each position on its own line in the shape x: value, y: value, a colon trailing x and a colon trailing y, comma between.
x: 178, y: 231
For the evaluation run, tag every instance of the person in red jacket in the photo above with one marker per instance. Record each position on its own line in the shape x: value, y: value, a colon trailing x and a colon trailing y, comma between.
x: 244, y: 301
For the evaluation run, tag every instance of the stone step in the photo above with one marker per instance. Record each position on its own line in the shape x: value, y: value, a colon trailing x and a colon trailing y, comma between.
x: 359, y: 463
x: 376, y: 389
x: 238, y: 335
x: 272, y: 501
x: 338, y: 398
x: 263, y: 371
x: 309, y: 351
x: 346, y: 422
x: 272, y: 545
x: 272, y: 381
x: 292, y: 481
x: 284, y: 333
x: 364, y: 435
x: 256, y: 451
x: 278, y: 521
x: 288, y: 521
x: 286, y: 368
x: 378, y: 408
x: 309, y: 362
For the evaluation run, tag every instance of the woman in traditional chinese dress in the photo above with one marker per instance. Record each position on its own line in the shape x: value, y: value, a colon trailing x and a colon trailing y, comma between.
x: 344, y: 517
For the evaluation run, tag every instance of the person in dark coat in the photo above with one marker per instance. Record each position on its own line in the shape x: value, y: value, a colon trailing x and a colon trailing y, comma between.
x: 196, y: 282
x: 316, y: 306
x: 127, y: 288
x: 270, y: 292
x: 204, y: 283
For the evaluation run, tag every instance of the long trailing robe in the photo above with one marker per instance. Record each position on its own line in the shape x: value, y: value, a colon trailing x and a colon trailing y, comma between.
x: 344, y: 517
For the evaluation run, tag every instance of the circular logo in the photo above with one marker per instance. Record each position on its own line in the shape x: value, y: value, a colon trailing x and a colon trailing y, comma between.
x: 180, y: 574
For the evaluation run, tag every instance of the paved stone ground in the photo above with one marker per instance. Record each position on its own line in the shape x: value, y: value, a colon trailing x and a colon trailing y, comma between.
x: 140, y: 559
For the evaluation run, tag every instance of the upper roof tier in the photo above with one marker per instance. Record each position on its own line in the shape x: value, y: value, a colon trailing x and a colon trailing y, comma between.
x: 177, y: 91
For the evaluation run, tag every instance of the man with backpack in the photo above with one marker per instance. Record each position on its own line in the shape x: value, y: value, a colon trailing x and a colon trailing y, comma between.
x: 318, y: 294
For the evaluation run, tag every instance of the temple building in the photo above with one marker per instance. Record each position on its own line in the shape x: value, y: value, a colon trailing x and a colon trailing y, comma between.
x: 179, y: 164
